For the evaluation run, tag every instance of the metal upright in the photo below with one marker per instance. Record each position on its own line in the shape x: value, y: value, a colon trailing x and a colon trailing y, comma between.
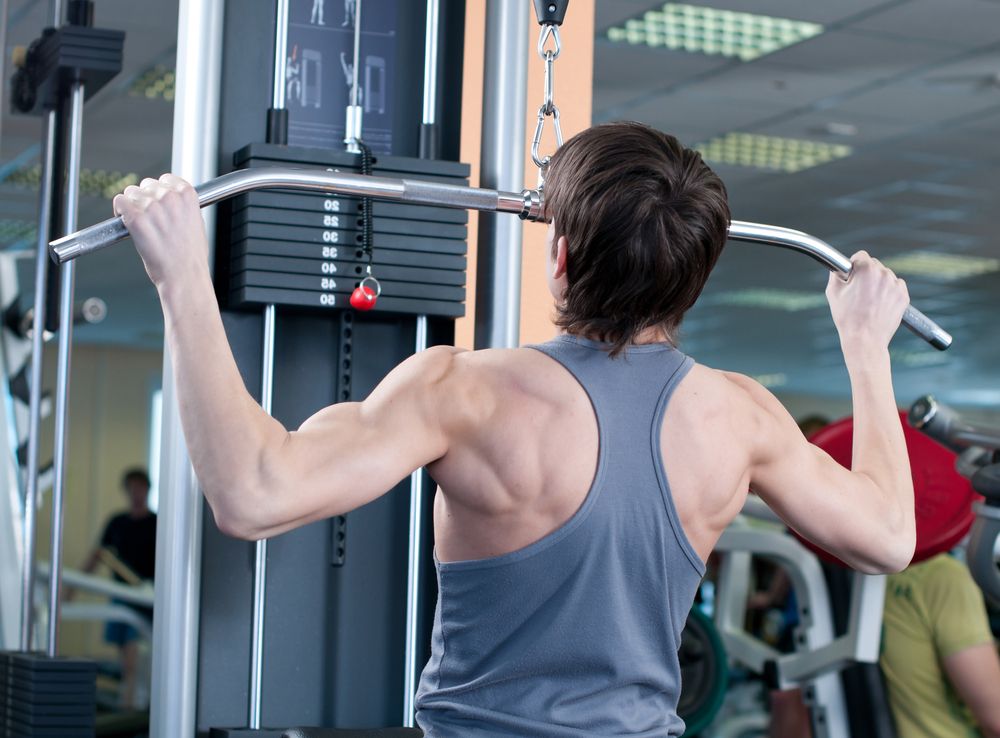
x: 278, y: 133
x: 352, y: 122
x: 63, y: 363
x: 505, y: 76
x: 47, y: 163
x: 35, y: 386
x: 173, y: 697
x: 414, y: 600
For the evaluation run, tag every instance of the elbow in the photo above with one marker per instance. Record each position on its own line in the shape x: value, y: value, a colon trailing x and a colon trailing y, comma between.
x: 894, y: 555
x: 236, y: 515
x: 235, y: 526
x: 895, y: 544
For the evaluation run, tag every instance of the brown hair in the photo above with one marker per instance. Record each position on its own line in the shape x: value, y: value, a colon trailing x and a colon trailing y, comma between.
x: 645, y: 219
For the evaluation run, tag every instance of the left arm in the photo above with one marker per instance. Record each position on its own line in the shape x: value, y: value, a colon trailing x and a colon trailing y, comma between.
x: 259, y: 478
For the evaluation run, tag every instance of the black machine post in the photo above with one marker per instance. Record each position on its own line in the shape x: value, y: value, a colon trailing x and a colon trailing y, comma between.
x: 337, y: 617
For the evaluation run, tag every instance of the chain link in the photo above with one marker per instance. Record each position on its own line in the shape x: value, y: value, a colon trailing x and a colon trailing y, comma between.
x: 548, y: 107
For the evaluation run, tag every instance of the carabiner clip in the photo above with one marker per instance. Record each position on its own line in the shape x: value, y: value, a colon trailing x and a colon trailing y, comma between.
x: 536, y: 140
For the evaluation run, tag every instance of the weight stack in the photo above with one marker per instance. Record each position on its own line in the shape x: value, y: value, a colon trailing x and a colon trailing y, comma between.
x: 303, y: 249
x: 42, y: 697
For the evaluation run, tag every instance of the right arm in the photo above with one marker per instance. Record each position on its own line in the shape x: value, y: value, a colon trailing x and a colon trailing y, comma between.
x: 864, y: 515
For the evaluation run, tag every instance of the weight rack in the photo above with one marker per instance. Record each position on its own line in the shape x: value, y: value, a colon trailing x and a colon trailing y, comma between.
x: 293, y: 248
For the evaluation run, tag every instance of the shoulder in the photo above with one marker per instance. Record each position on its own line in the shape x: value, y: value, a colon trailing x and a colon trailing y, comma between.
x: 743, y: 399
x: 448, y: 385
x: 739, y: 410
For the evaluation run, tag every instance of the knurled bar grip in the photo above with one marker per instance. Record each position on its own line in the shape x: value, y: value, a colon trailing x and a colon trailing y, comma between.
x: 527, y: 205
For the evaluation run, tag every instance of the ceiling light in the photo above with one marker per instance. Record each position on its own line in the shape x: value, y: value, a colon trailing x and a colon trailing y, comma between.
x: 942, y: 266
x: 155, y: 82
x: 840, y: 129
x: 772, y: 299
x: 711, y: 31
x: 93, y: 182
x: 770, y: 152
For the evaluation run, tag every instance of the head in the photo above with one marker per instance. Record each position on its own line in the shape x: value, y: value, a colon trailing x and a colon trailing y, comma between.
x: 638, y: 223
x: 135, y: 483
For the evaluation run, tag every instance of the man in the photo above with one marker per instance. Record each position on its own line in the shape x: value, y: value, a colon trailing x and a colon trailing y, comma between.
x: 567, y: 562
x: 128, y: 547
x: 938, y: 655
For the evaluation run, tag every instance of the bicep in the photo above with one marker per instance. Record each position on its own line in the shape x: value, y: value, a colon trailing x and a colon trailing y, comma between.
x: 974, y: 672
x: 349, y: 454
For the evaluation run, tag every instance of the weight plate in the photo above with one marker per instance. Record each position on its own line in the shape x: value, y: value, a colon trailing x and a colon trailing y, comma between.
x: 352, y: 251
x: 274, y: 155
x: 30, y: 709
x: 346, y: 286
x: 318, y: 202
x: 943, y: 497
x: 346, y: 269
x: 49, y: 698
x: 18, y: 730
x: 386, y: 304
x: 704, y: 673
x: 322, y: 221
x: 334, y: 236
x: 356, y: 169
x: 38, y: 662
x: 50, y: 720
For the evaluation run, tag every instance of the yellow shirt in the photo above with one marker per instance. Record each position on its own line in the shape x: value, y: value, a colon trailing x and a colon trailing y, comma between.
x: 932, y: 610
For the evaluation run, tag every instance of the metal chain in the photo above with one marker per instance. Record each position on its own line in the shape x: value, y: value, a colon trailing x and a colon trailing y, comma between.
x: 548, y: 107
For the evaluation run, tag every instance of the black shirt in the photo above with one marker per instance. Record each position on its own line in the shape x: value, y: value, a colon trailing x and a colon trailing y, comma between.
x: 133, y: 540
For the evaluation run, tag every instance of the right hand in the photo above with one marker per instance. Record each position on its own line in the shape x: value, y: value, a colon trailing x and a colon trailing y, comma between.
x: 164, y: 220
x: 868, y: 307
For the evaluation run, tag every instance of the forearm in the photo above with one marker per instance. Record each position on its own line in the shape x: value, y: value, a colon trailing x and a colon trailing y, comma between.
x: 225, y: 429
x: 879, y: 447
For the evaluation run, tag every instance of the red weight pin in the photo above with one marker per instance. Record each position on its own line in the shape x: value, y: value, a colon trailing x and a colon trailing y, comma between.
x: 364, y: 296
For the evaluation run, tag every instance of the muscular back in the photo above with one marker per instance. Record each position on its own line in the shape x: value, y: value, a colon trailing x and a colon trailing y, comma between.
x: 524, y: 452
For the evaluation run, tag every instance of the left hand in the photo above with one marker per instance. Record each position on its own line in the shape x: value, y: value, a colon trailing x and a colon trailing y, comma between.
x: 164, y: 219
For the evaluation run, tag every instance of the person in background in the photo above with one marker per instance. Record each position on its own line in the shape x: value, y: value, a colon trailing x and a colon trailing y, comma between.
x: 128, y: 547
x: 938, y: 655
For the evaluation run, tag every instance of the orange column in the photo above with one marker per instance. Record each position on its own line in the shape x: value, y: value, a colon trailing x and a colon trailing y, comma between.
x: 573, y: 80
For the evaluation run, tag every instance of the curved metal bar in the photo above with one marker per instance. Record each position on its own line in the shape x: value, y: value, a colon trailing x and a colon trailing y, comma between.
x: 825, y: 254
x: 111, y: 231
x: 528, y: 205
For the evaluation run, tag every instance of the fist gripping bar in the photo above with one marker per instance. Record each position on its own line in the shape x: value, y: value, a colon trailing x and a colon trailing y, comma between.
x: 527, y: 205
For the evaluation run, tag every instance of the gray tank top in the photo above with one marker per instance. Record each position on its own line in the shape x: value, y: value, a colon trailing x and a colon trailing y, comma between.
x: 577, y: 634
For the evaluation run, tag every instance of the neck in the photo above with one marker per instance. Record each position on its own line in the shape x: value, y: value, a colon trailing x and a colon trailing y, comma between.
x: 653, y: 334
